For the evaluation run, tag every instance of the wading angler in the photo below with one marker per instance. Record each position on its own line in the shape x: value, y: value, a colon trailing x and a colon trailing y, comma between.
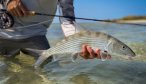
x: 22, y: 30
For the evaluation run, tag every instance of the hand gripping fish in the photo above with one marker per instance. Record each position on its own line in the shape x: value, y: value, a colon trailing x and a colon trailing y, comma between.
x: 73, y: 44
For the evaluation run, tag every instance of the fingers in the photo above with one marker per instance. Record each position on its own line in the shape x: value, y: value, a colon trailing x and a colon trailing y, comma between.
x: 84, y: 52
x: 17, y: 8
x: 88, y: 53
x: 18, y: 12
x: 97, y: 51
x: 91, y: 52
x: 13, y: 12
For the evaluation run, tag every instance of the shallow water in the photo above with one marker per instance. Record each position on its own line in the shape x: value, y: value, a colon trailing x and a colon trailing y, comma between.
x: 116, y: 71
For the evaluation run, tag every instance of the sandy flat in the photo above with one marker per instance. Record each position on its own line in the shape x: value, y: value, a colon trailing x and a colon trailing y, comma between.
x: 132, y: 21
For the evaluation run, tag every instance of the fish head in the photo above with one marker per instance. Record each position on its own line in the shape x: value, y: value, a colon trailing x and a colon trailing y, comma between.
x: 122, y: 49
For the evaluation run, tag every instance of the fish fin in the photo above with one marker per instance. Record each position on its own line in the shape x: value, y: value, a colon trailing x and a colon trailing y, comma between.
x: 74, y: 56
x: 54, y: 58
x: 108, y: 44
x: 105, y: 48
x: 103, y: 54
x: 102, y: 59
x: 40, y: 60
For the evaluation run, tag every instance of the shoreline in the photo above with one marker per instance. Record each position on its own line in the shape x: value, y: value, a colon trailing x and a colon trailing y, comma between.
x: 131, y: 21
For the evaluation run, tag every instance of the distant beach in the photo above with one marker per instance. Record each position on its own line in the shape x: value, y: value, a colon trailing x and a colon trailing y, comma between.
x: 131, y: 21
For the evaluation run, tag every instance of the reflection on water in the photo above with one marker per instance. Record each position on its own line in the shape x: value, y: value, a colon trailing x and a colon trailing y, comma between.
x: 98, y: 72
x: 111, y: 73
x: 19, y: 70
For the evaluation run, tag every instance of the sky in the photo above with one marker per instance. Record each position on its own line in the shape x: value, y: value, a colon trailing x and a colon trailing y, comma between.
x: 108, y: 9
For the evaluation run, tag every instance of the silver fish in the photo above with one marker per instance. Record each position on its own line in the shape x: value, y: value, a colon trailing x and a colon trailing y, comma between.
x: 73, y: 44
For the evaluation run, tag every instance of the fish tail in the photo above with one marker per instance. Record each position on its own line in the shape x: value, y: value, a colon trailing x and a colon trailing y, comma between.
x: 41, y: 59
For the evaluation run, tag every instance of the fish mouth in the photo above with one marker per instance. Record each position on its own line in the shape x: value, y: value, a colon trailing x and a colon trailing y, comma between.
x: 130, y: 57
x: 127, y: 57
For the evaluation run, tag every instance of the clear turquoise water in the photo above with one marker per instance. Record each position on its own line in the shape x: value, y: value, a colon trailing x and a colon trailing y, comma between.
x: 116, y: 71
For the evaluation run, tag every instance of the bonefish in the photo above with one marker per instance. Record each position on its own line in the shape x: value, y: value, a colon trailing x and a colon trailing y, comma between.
x: 73, y: 44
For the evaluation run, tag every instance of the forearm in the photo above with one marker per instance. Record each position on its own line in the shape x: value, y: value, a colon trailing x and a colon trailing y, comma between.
x: 66, y: 8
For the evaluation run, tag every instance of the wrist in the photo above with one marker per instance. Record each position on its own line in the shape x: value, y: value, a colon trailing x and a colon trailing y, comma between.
x: 69, y: 28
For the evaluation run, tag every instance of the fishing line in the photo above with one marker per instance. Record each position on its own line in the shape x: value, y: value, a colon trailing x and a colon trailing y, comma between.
x: 8, y: 20
x: 109, y: 21
x: 34, y: 24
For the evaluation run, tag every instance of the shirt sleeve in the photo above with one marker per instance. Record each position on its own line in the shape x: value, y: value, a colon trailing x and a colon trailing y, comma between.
x: 66, y: 8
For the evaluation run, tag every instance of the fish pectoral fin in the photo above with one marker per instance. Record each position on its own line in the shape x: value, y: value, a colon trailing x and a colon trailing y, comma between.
x: 103, y: 54
x: 74, y: 56
x: 54, y: 58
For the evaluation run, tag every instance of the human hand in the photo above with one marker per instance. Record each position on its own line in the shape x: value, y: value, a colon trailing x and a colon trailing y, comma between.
x: 17, y: 8
x: 88, y: 53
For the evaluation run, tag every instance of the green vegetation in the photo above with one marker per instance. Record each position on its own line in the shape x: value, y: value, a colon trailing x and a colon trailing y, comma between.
x: 131, y: 18
x: 134, y: 18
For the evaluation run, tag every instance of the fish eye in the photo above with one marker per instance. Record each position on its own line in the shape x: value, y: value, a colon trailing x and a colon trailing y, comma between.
x: 124, y: 47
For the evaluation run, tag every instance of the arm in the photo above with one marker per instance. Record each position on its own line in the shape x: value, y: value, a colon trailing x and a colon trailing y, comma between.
x: 16, y: 8
x: 66, y: 8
